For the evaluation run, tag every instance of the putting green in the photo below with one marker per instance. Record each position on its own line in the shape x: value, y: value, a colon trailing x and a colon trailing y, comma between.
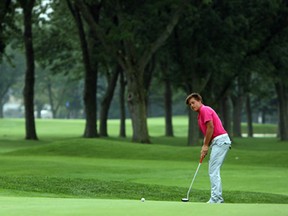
x: 67, y: 206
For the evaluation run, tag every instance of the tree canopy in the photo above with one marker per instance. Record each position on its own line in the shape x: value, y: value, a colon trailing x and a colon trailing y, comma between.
x: 229, y: 51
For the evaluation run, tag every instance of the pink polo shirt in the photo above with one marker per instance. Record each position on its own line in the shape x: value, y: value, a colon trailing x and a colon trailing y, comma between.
x: 206, y: 114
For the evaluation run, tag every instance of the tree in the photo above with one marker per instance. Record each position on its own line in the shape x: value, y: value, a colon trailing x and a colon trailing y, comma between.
x: 247, y: 30
x: 277, y: 54
x: 90, y: 89
x: 112, y: 78
x: 10, y: 73
x: 282, y: 89
x: 271, y: 45
x: 167, y: 98
x: 59, y: 67
x: 122, y: 84
x: 192, y: 49
x: 28, y: 92
x: 132, y: 58
x: 4, y: 12
x: 237, y: 100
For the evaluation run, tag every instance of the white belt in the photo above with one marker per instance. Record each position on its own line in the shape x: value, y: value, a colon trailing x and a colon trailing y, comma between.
x: 218, y: 137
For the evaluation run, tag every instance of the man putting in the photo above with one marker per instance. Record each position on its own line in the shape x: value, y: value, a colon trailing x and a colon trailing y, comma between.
x: 216, y: 137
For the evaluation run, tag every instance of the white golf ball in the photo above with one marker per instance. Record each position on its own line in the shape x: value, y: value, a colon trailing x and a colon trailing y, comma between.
x: 142, y: 199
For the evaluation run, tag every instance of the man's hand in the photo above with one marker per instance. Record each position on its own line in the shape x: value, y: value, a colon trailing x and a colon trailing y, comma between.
x: 204, y: 151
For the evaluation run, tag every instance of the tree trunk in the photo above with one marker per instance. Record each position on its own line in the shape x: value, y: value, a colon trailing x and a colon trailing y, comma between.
x: 37, y: 107
x: 137, y: 106
x: 226, y: 114
x: 263, y: 116
x: 90, y: 99
x: 193, y: 128
x: 167, y: 101
x: 1, y: 110
x: 122, y: 132
x: 237, y: 112
x: 3, y: 92
x: 282, y: 93
x: 90, y: 81
x: 28, y: 91
x: 249, y: 116
x: 50, y: 96
x: 168, y: 109
x: 105, y: 105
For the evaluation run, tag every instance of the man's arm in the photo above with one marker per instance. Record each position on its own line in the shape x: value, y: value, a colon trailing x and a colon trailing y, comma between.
x: 207, y: 138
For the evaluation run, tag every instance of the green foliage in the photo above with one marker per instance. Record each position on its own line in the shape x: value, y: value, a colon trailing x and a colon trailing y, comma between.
x: 11, y: 72
x: 7, y: 25
x: 56, y: 42
x: 215, y: 43
x: 138, y: 22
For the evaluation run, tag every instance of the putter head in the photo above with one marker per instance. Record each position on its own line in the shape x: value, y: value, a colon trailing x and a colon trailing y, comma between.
x: 184, y: 199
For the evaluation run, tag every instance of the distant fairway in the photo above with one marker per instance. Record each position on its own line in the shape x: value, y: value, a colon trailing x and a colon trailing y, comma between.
x: 64, y: 174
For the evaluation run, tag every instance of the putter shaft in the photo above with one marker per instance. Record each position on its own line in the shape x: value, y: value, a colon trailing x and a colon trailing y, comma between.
x: 193, y: 180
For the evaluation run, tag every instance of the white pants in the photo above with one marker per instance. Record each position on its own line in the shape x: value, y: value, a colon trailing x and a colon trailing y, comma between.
x: 219, y: 148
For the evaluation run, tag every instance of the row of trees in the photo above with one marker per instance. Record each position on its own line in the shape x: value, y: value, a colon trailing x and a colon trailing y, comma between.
x: 224, y: 49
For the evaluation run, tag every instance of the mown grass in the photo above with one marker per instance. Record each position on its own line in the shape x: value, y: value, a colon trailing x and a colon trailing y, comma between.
x: 62, y: 164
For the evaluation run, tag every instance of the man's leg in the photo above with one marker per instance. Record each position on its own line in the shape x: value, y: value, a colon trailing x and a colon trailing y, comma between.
x: 217, y: 156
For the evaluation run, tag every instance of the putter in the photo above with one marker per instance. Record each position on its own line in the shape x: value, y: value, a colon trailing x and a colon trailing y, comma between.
x: 186, y: 199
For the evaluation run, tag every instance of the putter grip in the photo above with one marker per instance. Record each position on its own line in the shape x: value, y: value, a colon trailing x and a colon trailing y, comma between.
x: 201, y: 159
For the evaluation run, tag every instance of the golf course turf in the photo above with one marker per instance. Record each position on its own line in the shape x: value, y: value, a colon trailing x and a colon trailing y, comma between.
x: 13, y: 206
x: 64, y: 174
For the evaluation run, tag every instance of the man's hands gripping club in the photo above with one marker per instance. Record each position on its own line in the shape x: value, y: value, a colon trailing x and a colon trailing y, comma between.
x: 204, y: 151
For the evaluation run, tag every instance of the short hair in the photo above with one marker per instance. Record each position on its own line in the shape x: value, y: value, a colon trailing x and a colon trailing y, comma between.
x: 194, y: 95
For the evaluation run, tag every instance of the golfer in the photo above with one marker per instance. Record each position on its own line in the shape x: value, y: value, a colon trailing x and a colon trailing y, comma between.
x: 216, y: 137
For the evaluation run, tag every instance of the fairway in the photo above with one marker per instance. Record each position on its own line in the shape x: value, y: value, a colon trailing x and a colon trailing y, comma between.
x: 46, y: 206
x: 64, y: 174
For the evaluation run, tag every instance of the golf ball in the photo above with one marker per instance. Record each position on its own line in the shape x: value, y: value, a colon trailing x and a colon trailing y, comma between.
x: 142, y: 199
